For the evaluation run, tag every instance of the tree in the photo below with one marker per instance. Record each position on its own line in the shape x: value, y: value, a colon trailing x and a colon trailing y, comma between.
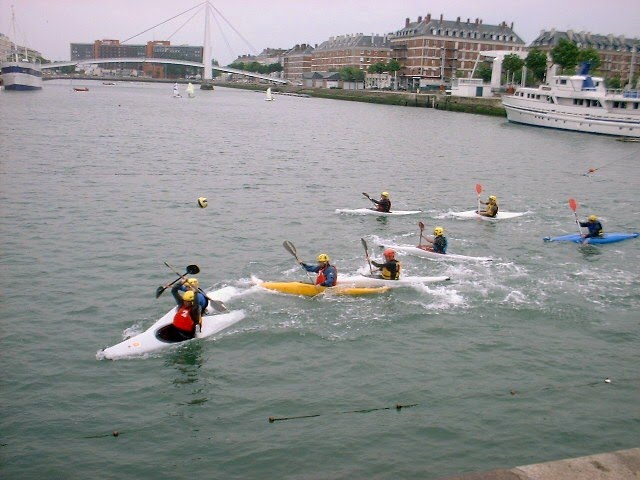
x: 378, y: 67
x: 393, y: 65
x: 614, y: 82
x: 590, y: 55
x: 513, y: 64
x: 565, y: 54
x: 484, y: 71
x: 351, y: 74
x: 536, y: 63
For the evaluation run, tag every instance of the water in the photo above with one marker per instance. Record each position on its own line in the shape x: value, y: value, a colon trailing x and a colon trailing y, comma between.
x: 503, y: 366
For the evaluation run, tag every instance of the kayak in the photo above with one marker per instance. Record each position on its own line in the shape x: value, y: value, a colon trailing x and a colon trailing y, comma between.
x: 500, y: 216
x: 420, y: 252
x: 371, y: 211
x: 309, y: 290
x: 366, y: 281
x: 152, y: 340
x: 606, y: 238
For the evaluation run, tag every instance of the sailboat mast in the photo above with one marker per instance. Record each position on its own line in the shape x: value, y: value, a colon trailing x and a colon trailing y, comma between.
x: 13, y: 34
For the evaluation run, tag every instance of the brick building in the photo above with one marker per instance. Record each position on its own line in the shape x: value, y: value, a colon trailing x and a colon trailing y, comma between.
x: 297, y: 61
x: 434, y: 51
x: 617, y: 54
x: 355, y: 50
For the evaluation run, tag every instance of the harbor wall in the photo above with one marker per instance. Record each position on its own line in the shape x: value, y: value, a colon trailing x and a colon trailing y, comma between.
x: 619, y: 465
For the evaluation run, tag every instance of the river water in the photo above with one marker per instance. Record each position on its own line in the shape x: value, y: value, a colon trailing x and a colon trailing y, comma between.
x: 502, y: 366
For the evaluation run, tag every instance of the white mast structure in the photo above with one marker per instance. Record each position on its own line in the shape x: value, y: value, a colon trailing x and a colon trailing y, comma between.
x: 207, y: 74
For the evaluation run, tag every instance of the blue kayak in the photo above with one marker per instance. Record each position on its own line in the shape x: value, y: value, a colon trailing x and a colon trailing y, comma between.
x: 606, y: 238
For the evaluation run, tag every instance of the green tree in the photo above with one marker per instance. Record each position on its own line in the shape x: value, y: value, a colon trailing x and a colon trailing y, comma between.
x: 513, y: 64
x: 565, y: 54
x: 536, y: 63
x: 378, y: 67
x: 394, y: 65
x: 351, y: 74
x: 484, y: 71
x: 590, y: 55
x: 614, y: 82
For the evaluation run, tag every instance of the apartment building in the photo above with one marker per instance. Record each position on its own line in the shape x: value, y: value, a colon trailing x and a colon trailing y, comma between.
x: 356, y: 50
x: 435, y: 51
x: 618, y: 55
x: 297, y: 62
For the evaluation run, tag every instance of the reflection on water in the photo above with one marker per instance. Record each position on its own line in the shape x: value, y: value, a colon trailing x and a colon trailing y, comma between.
x: 187, y: 360
x: 590, y: 252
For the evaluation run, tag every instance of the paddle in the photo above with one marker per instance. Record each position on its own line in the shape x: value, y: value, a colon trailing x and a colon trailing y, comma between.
x: 573, y: 205
x: 478, y: 191
x: 191, y: 270
x: 290, y: 247
x: 421, y: 225
x: 366, y: 252
x: 217, y: 305
x: 371, y: 199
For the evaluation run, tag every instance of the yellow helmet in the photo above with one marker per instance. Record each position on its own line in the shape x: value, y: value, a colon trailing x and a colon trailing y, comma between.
x: 323, y: 257
x: 193, y: 282
x: 492, y: 198
x: 438, y: 231
x: 188, y: 296
x: 385, y: 194
x: 592, y: 218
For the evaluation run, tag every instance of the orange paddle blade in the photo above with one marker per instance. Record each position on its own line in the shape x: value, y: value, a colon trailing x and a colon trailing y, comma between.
x: 573, y: 204
x: 478, y: 188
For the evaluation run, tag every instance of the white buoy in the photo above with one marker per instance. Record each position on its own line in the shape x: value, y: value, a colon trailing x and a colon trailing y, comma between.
x: 202, y: 202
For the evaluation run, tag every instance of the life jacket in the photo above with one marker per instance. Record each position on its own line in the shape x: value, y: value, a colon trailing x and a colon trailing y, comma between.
x: 595, y: 229
x: 182, y: 319
x: 386, y: 273
x: 320, y: 279
x: 440, y: 244
x: 492, y: 209
x: 384, y: 205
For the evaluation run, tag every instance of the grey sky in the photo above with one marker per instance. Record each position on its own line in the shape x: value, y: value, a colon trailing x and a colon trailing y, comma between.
x: 49, y: 26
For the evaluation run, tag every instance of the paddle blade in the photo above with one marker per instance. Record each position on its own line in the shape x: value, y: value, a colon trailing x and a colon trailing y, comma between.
x: 160, y: 290
x: 289, y: 247
x: 573, y: 205
x: 478, y: 188
x: 193, y: 269
x: 366, y: 195
x: 218, y: 306
x: 421, y: 225
x: 365, y: 246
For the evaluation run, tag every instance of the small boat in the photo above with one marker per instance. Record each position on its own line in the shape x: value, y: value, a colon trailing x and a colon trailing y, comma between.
x: 374, y: 281
x: 269, y: 96
x: 309, y: 290
x: 108, y: 83
x: 579, y: 103
x: 606, y: 238
x: 371, y: 211
x: 190, y: 90
x: 421, y: 252
x: 80, y: 89
x: 500, y: 216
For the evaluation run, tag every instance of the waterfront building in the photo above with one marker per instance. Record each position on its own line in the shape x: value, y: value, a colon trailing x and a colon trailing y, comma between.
x: 297, y: 61
x: 433, y: 52
x: 108, y: 48
x: 356, y: 50
x: 618, y: 55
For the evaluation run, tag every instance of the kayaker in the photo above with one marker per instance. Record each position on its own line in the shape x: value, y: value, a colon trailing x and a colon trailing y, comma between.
x: 193, y: 284
x: 327, y: 273
x: 492, y: 207
x: 384, y: 204
x: 594, y: 226
x: 187, y: 316
x: 390, y: 269
x: 438, y: 242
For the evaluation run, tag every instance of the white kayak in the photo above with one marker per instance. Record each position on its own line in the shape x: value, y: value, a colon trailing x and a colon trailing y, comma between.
x: 420, y: 252
x: 371, y: 211
x: 150, y: 340
x: 366, y: 281
x: 500, y: 216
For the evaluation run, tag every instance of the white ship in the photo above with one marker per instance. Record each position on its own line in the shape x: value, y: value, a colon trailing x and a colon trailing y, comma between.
x: 576, y: 102
x: 19, y: 71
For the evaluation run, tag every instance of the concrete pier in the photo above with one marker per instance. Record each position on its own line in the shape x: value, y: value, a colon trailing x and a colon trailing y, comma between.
x: 620, y: 465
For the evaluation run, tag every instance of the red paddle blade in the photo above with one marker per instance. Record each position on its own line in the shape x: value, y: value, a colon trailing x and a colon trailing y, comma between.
x: 573, y: 205
x: 478, y: 188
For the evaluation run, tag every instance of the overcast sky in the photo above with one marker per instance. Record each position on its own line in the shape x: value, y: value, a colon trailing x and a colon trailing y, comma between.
x: 49, y: 26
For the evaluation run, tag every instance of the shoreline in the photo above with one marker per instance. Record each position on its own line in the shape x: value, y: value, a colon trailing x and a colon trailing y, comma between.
x: 439, y: 101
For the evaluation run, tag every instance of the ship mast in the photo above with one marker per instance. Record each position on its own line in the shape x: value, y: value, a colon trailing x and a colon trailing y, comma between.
x: 207, y: 75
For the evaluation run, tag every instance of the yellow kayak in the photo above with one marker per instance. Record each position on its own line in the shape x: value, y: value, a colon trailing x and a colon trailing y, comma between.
x: 306, y: 289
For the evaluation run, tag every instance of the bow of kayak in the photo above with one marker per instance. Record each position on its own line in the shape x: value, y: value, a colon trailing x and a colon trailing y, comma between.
x: 371, y: 211
x: 500, y: 215
x: 421, y: 252
x: 365, y: 281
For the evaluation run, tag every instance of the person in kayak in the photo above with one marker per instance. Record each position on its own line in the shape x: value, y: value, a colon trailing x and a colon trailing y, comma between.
x: 327, y: 273
x: 188, y: 314
x: 382, y: 205
x: 193, y: 283
x: 594, y: 227
x: 492, y: 207
x: 390, y: 269
x: 438, y: 242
